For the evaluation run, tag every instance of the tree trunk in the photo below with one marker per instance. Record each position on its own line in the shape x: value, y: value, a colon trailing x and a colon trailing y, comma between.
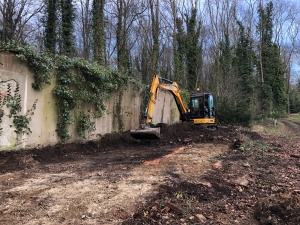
x: 98, y: 31
x: 154, y: 7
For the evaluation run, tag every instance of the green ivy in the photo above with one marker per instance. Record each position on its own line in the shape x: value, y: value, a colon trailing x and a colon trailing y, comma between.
x: 42, y: 64
x: 85, y: 124
x: 117, y: 116
x: 2, y: 103
x: 145, y: 94
x: 82, y: 83
x: 13, y: 102
x: 10, y: 46
x: 66, y: 102
x: 79, y: 82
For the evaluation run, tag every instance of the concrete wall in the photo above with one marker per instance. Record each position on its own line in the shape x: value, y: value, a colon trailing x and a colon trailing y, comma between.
x: 44, y: 120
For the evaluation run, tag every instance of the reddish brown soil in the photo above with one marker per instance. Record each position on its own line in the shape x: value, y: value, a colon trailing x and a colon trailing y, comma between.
x: 255, y: 180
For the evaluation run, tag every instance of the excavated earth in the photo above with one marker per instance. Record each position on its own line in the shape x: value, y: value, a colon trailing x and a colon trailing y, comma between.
x: 192, y: 175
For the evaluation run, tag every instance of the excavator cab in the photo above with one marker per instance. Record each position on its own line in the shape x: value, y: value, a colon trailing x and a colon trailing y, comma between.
x: 202, y: 110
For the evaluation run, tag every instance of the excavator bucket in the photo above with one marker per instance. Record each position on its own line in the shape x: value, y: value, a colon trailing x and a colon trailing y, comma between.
x: 145, y: 133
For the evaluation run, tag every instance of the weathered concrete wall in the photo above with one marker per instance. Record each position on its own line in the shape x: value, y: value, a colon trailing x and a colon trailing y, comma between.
x: 44, y: 120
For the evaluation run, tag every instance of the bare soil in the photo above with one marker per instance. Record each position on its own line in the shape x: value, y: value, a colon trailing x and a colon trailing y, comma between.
x: 192, y: 175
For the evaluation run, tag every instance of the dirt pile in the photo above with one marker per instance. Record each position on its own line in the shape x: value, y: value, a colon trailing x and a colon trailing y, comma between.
x: 283, y: 208
x: 252, y: 183
x: 192, y: 175
x: 174, y: 135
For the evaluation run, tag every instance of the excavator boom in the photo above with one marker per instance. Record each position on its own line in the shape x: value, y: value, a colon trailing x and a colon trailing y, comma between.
x: 145, y: 131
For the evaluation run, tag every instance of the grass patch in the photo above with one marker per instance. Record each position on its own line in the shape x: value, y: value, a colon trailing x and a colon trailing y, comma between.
x: 281, y: 129
x: 295, y: 118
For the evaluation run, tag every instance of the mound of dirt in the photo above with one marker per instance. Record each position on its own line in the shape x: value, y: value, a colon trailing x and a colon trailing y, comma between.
x: 192, y: 175
x: 176, y: 135
x: 238, y: 190
x: 283, y: 208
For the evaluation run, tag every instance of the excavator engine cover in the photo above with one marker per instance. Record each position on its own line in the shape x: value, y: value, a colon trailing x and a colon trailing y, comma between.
x: 145, y: 133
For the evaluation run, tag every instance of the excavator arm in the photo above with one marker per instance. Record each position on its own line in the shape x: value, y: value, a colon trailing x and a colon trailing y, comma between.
x: 145, y: 131
x: 154, y: 91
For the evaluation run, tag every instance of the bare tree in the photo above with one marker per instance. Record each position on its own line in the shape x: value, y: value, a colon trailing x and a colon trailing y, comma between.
x: 128, y: 11
x: 16, y: 17
x: 221, y: 24
x: 84, y: 28
x: 154, y: 15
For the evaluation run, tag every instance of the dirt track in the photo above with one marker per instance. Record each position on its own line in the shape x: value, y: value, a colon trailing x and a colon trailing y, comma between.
x: 188, y: 177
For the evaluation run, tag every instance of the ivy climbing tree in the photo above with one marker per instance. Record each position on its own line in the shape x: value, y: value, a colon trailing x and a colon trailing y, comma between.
x: 58, y: 22
x: 49, y: 20
x: 225, y: 82
x: 278, y: 84
x: 188, y: 52
x: 180, y: 53
x: 67, y: 28
x: 244, y: 65
x: 193, y: 51
x: 272, y: 83
x: 98, y: 31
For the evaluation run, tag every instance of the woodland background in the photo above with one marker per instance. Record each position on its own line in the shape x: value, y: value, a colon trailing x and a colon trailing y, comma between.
x: 245, y: 52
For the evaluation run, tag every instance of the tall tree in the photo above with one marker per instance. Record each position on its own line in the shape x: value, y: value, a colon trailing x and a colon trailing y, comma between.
x: 154, y: 10
x: 244, y: 64
x: 286, y: 32
x: 50, y: 23
x: 122, y: 36
x: 225, y: 61
x: 265, y: 30
x: 273, y: 97
x: 180, y: 54
x: 128, y: 12
x: 278, y: 83
x: 193, y: 51
x: 145, y: 66
x: 84, y: 28
x: 225, y: 80
x: 98, y: 31
x: 143, y: 55
x: 67, y: 28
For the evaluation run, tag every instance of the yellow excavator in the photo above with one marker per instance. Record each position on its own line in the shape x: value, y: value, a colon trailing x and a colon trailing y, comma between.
x: 201, y: 108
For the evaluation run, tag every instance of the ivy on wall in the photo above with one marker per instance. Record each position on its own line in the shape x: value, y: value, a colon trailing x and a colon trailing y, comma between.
x: 42, y: 64
x: 2, y: 103
x: 13, y: 103
x: 78, y: 83
x: 117, y: 114
x: 21, y: 122
x: 81, y: 83
x: 85, y: 123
